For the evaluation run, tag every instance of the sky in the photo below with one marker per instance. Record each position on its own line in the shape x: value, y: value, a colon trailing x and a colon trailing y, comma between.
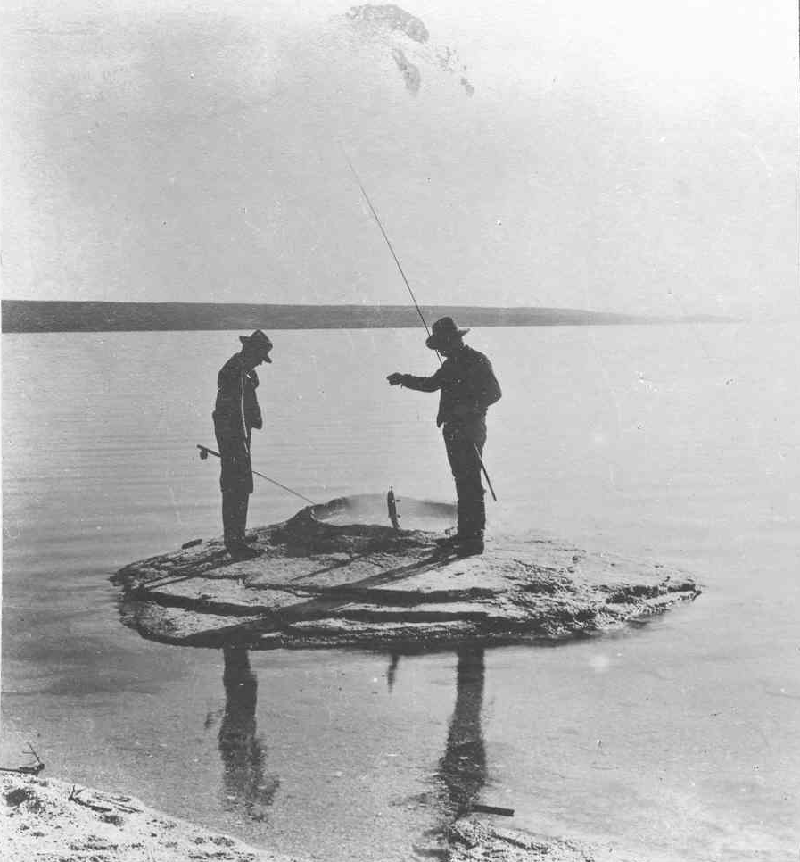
x: 622, y: 156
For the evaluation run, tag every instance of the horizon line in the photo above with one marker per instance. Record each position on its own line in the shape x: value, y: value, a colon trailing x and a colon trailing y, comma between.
x: 30, y: 316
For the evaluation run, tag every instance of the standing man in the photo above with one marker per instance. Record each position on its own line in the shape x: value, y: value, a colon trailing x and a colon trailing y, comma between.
x: 468, y: 387
x: 236, y: 413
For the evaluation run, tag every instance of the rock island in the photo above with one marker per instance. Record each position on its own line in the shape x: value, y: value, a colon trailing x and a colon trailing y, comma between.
x: 328, y: 577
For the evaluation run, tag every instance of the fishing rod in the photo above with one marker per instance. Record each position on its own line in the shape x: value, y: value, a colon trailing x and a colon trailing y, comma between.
x: 413, y: 298
x: 391, y: 249
x: 205, y: 452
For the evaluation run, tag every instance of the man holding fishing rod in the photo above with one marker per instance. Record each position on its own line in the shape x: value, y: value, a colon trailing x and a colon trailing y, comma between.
x: 468, y: 388
x: 235, y: 414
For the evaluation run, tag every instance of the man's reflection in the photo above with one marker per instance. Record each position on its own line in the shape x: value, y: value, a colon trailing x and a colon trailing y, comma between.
x: 463, y: 767
x: 245, y: 786
x: 391, y: 673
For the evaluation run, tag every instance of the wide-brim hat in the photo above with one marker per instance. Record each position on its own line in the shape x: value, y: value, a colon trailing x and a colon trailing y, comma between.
x: 258, y: 342
x: 443, y: 332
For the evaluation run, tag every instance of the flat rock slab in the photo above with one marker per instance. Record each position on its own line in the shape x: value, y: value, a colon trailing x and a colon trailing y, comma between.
x: 320, y: 581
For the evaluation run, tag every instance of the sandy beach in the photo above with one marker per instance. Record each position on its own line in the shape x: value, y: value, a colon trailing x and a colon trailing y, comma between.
x: 49, y: 820
x: 45, y: 819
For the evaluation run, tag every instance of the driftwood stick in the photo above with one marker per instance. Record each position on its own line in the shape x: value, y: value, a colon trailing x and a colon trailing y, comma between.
x: 74, y: 796
x: 26, y: 770
x: 39, y: 765
x: 493, y: 809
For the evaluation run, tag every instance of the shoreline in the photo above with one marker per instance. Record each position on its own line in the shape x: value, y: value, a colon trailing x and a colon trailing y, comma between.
x: 44, y: 819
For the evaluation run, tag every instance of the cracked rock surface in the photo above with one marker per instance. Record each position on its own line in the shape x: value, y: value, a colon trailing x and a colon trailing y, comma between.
x: 321, y: 581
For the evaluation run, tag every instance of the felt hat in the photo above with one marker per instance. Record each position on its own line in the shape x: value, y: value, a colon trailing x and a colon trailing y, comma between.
x: 259, y: 343
x: 444, y: 332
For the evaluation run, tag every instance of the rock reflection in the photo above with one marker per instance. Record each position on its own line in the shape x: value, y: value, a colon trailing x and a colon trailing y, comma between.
x: 246, y: 787
x: 463, y: 766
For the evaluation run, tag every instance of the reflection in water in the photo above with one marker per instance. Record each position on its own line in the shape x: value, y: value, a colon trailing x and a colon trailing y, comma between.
x: 245, y: 786
x: 391, y: 672
x: 463, y: 766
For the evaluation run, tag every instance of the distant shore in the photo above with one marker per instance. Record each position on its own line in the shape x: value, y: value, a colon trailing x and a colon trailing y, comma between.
x: 41, y: 316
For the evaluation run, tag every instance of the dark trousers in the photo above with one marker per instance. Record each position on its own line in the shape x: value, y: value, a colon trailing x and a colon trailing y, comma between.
x: 236, y: 484
x: 234, y: 517
x: 464, y: 442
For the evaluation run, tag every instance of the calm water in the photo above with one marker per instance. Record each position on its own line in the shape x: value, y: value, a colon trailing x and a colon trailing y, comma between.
x: 674, y: 741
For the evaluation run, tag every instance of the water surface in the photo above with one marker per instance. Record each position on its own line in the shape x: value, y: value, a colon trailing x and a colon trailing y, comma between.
x: 676, y: 740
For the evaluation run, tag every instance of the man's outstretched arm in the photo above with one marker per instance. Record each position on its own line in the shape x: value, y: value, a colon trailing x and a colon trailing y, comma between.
x: 420, y: 384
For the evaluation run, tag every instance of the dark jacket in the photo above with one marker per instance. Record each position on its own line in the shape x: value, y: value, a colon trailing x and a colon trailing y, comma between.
x: 467, y: 383
x: 236, y: 411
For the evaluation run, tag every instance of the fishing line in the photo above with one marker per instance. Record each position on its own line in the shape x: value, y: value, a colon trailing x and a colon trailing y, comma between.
x: 205, y: 452
x: 411, y: 293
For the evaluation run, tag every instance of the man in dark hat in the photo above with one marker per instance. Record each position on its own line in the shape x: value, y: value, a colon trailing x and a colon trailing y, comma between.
x: 235, y: 414
x: 468, y: 387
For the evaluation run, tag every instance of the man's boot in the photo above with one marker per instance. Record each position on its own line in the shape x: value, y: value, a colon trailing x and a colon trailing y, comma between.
x: 470, y: 546
x: 235, y: 518
x: 471, y: 522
